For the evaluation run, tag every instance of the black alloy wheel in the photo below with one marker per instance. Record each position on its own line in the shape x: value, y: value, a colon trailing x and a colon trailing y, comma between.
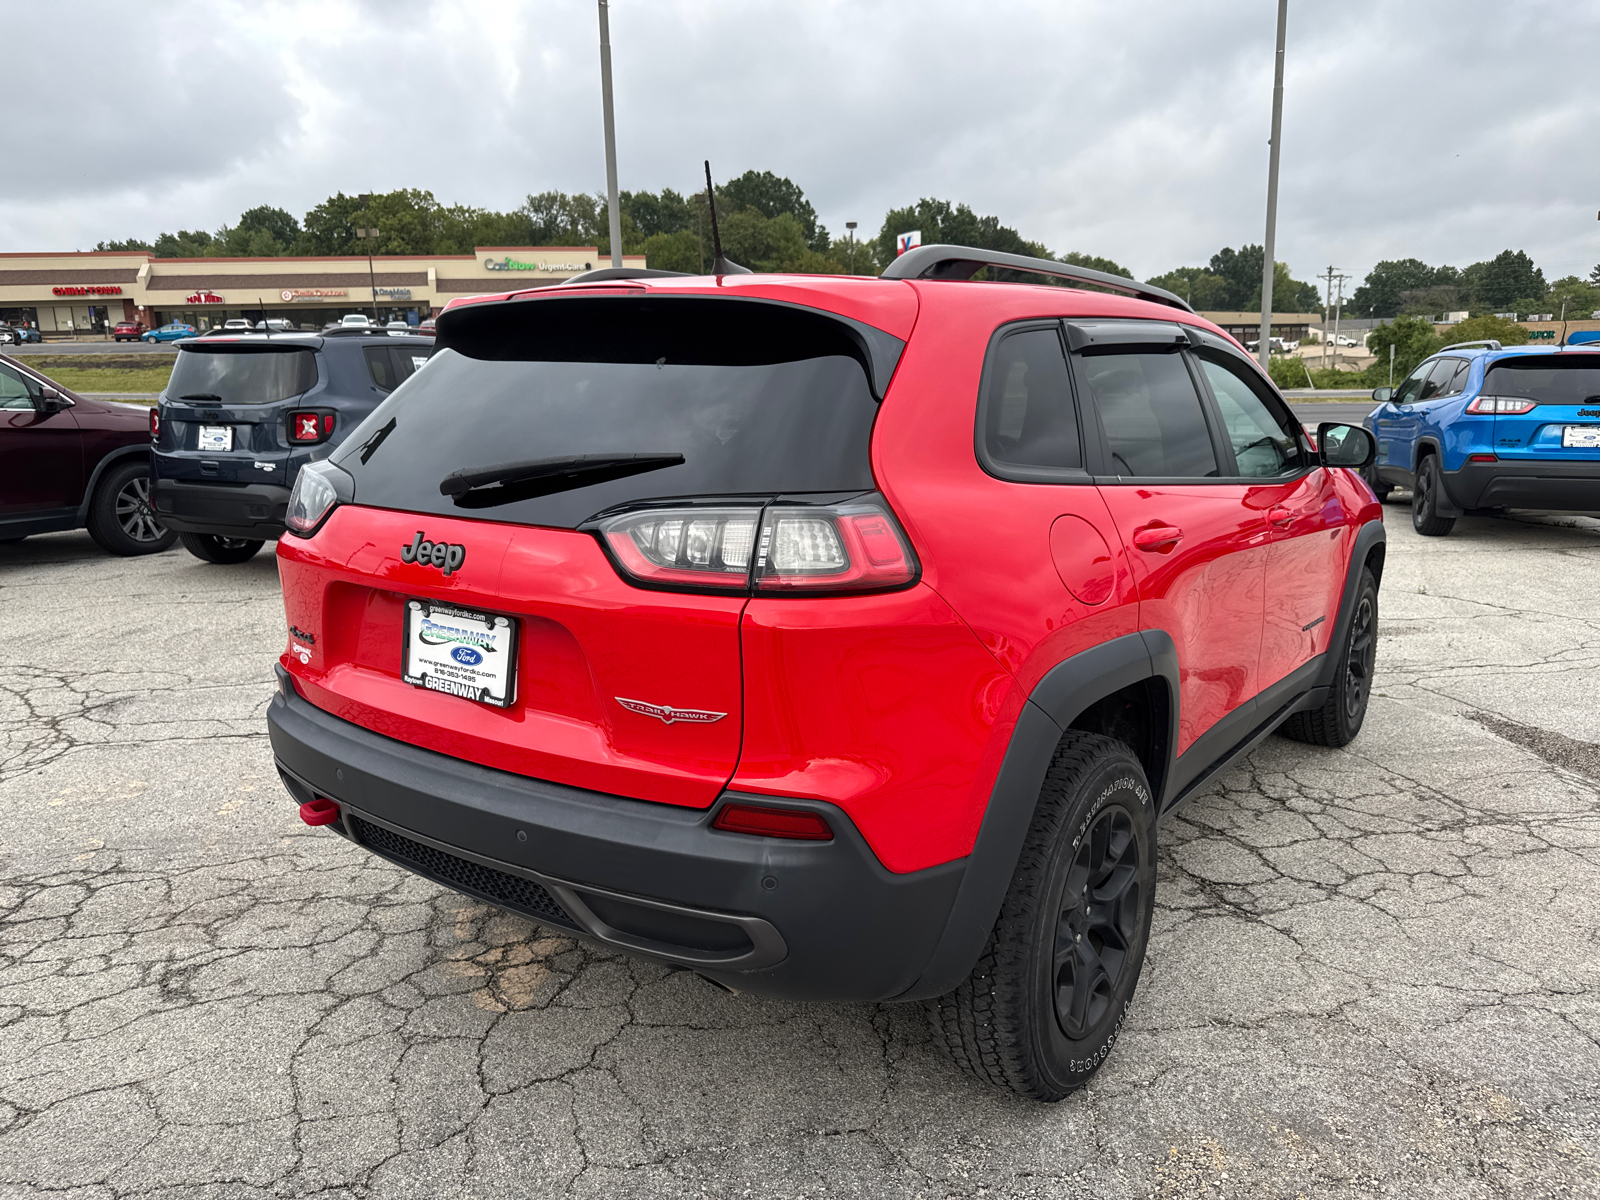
x: 1045, y: 1002
x: 1338, y: 719
x: 1425, y: 518
x: 214, y: 548
x: 122, y: 519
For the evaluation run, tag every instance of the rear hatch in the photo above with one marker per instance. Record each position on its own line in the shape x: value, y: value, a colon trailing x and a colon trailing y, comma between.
x: 1560, y: 394
x: 617, y: 683
x: 225, y: 412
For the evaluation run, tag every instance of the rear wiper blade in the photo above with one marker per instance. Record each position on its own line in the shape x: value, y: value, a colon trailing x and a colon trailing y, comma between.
x: 575, y: 468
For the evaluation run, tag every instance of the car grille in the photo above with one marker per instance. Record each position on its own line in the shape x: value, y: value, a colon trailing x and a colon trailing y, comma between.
x: 507, y: 891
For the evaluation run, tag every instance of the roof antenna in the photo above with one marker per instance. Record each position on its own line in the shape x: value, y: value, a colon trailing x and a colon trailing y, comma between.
x: 721, y: 265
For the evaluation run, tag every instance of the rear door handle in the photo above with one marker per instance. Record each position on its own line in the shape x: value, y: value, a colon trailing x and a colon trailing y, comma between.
x: 1158, y: 539
x: 1280, y: 516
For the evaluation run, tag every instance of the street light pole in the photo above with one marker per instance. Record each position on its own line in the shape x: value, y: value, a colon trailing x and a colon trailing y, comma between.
x: 611, y: 136
x: 1269, y: 263
x: 851, y: 227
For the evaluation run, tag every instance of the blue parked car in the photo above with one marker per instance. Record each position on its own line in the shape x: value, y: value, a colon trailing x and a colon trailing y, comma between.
x: 241, y: 415
x: 177, y: 331
x: 1485, y: 427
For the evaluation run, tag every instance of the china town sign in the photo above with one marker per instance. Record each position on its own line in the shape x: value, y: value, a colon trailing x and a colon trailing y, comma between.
x: 203, y: 296
x: 312, y: 293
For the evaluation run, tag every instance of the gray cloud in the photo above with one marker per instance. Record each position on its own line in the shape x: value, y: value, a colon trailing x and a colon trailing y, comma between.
x: 1446, y: 129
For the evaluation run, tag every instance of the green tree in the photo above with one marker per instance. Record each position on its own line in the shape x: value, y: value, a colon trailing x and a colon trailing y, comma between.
x: 557, y: 219
x: 277, y: 224
x: 1413, y: 340
x: 951, y: 224
x: 1380, y: 293
x: 770, y: 195
x: 680, y: 251
x: 1242, y: 271
x: 1477, y: 329
x: 1508, y: 276
x: 129, y: 244
x: 666, y: 212
x: 186, y: 243
x: 1204, y: 291
x: 1594, y: 275
x: 1095, y: 263
x: 1581, y: 298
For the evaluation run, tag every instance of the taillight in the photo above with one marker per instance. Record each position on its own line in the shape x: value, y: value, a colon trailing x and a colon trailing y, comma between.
x: 318, y: 490
x: 310, y: 426
x: 155, y: 423
x: 1504, y: 405
x: 852, y: 547
x: 758, y: 819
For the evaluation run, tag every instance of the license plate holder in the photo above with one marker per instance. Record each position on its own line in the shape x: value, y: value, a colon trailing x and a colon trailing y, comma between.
x: 460, y: 651
x: 216, y: 439
x: 1580, y: 437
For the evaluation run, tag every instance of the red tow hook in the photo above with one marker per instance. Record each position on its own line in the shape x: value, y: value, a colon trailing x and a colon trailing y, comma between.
x: 320, y: 811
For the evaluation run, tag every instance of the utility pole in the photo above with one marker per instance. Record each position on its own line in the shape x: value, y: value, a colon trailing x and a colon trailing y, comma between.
x: 1269, y: 265
x: 851, y: 227
x: 1327, y: 305
x: 611, y: 136
x: 1338, y: 305
x: 369, y: 235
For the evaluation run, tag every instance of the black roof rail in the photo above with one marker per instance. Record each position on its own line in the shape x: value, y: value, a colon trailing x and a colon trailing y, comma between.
x: 963, y: 262
x: 602, y: 273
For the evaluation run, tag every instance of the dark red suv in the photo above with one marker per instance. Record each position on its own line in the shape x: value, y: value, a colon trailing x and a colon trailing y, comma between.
x: 836, y: 638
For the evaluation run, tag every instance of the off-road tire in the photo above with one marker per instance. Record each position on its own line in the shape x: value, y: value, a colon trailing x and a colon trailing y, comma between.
x: 1002, y: 1023
x: 122, y: 519
x: 1425, y: 518
x: 1339, y: 719
x: 216, y: 549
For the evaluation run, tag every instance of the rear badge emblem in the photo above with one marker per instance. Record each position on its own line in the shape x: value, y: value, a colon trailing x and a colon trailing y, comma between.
x: 665, y: 712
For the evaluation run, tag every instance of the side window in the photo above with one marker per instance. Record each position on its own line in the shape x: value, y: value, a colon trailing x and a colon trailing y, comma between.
x: 1027, y: 418
x: 1438, y: 379
x: 1451, y: 376
x: 1265, y: 444
x: 1411, y: 387
x: 13, y: 391
x: 1151, y: 414
x: 390, y: 366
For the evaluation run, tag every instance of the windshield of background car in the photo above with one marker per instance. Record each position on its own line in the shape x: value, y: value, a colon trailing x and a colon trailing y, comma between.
x: 243, y: 376
x: 743, y: 428
x: 1568, y: 379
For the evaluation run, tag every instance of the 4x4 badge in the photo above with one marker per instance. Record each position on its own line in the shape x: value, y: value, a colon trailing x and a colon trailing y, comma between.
x: 665, y: 712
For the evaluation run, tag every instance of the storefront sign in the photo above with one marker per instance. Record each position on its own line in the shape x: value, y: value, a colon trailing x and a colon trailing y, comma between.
x: 516, y: 264
x: 203, y: 297
x: 312, y: 293
x: 393, y: 293
x: 106, y: 289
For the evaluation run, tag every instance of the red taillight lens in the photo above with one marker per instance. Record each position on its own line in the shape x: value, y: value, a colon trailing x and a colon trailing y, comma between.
x: 855, y: 547
x: 1502, y: 405
x: 852, y: 547
x: 690, y: 547
x: 305, y: 427
x: 155, y: 423
x: 1482, y: 458
x: 760, y: 821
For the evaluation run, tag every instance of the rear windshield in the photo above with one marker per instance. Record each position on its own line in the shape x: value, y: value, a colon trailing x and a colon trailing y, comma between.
x: 1571, y: 379
x: 243, y: 376
x: 746, y: 429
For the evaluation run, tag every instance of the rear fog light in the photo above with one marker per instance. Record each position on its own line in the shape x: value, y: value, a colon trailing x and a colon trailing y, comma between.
x: 793, y: 823
x: 1483, y: 458
x: 320, y: 811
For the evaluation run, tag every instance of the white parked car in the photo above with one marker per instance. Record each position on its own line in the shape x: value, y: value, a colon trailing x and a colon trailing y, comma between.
x: 1344, y: 339
x: 355, y: 321
x: 275, y: 325
x: 237, y: 323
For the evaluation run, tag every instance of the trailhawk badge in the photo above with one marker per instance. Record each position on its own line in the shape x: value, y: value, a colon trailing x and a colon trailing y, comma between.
x: 665, y: 712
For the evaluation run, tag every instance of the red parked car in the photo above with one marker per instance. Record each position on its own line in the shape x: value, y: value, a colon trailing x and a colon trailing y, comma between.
x: 67, y: 462
x: 839, y: 639
x: 127, y: 331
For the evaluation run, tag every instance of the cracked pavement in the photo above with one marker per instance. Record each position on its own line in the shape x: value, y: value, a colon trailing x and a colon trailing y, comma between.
x: 1374, y: 971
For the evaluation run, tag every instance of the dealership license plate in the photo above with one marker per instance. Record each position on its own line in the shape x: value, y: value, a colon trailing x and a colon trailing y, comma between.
x: 217, y: 439
x: 460, y: 651
x: 1581, y: 437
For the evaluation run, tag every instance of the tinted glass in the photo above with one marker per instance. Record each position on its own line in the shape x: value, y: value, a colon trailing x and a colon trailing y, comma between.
x: 1151, y: 414
x: 390, y: 366
x: 1028, y: 415
x: 243, y: 377
x: 1438, y: 382
x: 1458, y: 379
x: 13, y: 391
x: 1263, y: 444
x: 1568, y: 379
x: 800, y: 426
x: 1408, y: 390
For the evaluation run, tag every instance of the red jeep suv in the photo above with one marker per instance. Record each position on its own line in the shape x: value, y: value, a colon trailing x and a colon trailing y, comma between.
x: 835, y: 638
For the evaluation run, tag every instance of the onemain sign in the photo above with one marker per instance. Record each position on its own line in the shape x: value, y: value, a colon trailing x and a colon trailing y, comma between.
x: 516, y: 264
x: 393, y: 293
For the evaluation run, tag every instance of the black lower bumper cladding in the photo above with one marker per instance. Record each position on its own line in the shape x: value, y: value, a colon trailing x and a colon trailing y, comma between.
x: 800, y: 920
x: 1553, y: 485
x: 244, y: 510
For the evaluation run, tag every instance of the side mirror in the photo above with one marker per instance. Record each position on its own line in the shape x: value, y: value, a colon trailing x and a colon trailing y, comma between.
x: 1346, y: 445
x: 1383, y: 395
x: 52, y: 401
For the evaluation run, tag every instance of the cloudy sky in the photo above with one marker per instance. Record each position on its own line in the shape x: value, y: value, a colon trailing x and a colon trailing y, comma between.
x: 1135, y: 129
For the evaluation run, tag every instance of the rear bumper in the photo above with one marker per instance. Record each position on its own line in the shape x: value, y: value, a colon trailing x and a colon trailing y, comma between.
x: 798, y: 920
x: 254, y: 511
x: 1507, y: 483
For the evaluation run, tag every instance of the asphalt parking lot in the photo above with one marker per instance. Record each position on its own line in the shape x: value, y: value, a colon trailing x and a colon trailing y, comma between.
x: 1375, y: 971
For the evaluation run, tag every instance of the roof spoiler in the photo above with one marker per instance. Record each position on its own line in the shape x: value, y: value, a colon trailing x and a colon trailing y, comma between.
x: 963, y: 262
x: 603, y: 273
x: 1489, y: 342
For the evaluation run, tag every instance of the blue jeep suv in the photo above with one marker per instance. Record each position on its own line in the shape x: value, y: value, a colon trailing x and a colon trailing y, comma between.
x: 1481, y: 426
x: 241, y: 415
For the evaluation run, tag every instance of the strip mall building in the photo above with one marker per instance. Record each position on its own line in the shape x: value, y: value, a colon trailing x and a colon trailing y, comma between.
x: 68, y: 294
